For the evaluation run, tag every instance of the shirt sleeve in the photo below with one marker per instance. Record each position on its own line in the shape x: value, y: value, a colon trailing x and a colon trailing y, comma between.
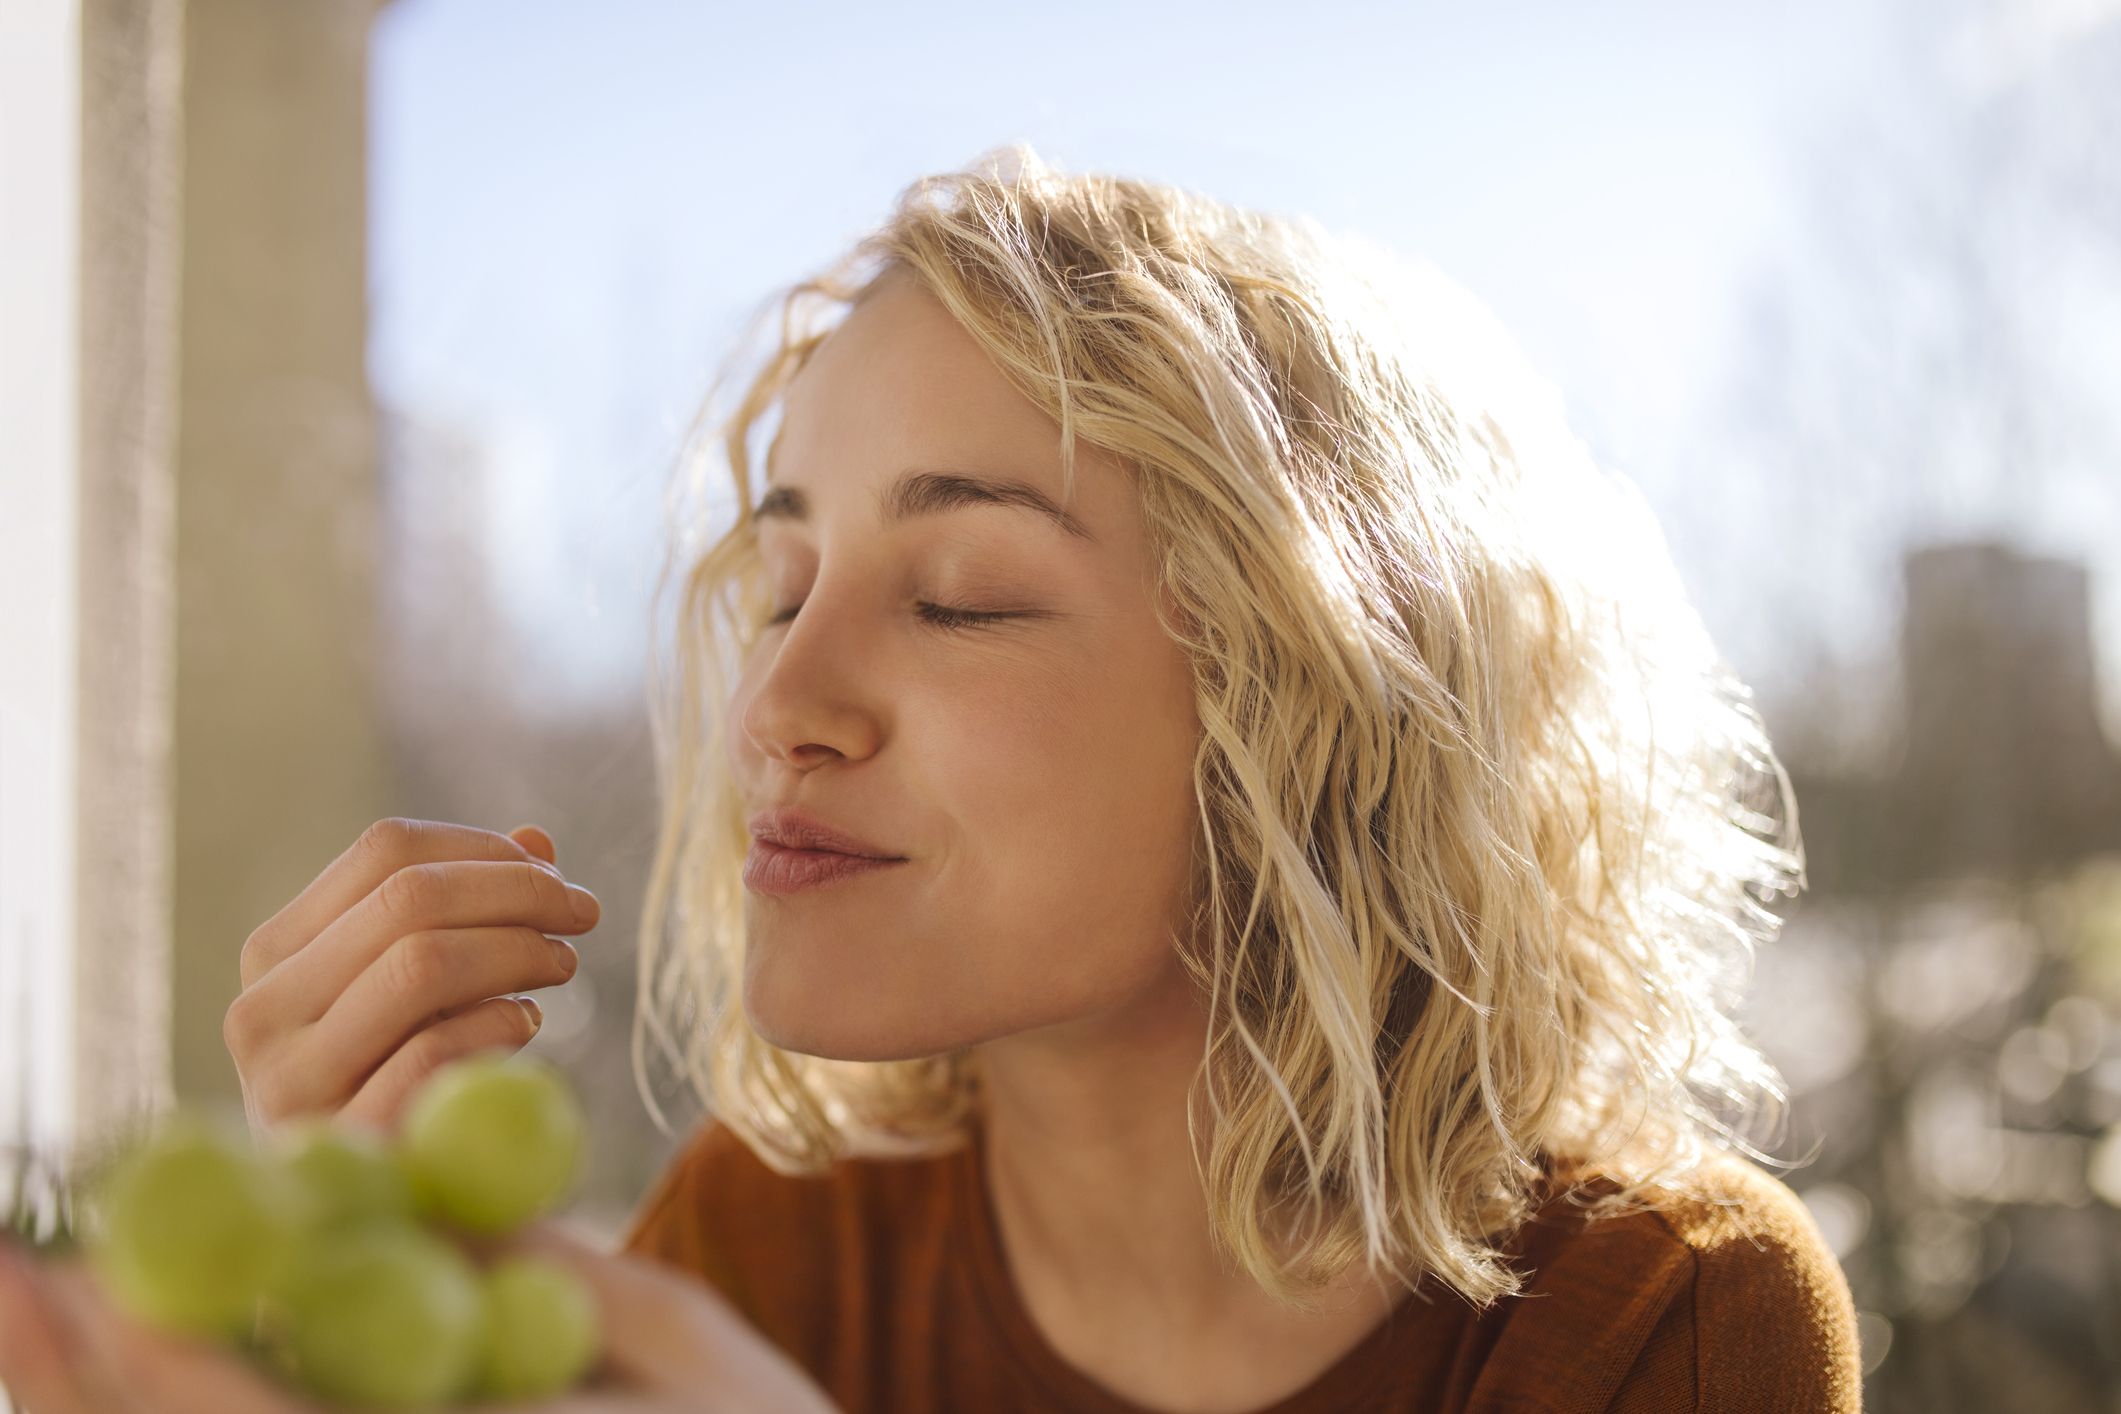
x: 1769, y: 1326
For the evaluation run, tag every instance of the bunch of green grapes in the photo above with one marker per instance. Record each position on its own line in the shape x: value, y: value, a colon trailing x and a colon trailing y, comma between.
x: 346, y: 1263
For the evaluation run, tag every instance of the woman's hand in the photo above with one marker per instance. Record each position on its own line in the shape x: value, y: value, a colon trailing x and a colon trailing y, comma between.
x: 671, y: 1345
x: 65, y: 1350
x: 394, y: 961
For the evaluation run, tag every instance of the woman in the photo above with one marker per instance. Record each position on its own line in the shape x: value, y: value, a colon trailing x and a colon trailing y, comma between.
x: 1322, y: 826
x: 1309, y: 853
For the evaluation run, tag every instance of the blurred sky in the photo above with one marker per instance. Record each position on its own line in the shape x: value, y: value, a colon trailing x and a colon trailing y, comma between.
x: 572, y: 205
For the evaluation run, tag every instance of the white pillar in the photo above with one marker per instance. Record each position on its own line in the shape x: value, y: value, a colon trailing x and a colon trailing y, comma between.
x: 89, y: 111
x: 39, y: 520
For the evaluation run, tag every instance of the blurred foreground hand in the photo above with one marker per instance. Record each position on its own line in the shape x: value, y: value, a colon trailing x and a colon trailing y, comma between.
x: 672, y: 1346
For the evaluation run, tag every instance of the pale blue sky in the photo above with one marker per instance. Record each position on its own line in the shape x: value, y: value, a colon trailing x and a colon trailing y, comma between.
x: 572, y: 203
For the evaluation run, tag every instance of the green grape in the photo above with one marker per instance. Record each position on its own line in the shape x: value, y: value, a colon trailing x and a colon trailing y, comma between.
x: 542, y: 1329
x: 492, y: 1142
x: 379, y: 1314
x: 191, y: 1226
x: 343, y: 1175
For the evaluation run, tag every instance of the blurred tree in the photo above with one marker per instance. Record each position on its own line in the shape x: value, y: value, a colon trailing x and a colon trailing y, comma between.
x: 1923, y: 388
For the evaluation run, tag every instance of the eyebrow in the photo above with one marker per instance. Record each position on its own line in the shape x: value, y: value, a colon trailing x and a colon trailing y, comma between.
x: 925, y: 493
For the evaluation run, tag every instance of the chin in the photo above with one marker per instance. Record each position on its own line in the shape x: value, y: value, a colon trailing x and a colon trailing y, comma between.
x: 809, y: 1033
x: 842, y: 1017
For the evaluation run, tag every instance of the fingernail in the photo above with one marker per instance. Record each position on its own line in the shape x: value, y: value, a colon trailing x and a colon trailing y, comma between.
x: 585, y: 904
x: 564, y: 953
x: 537, y: 1016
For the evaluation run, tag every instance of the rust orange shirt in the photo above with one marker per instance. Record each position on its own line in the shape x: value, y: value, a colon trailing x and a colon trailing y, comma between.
x: 886, y: 1279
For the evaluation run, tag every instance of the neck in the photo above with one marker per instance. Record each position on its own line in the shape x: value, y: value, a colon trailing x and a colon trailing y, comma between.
x: 1088, y: 1156
x: 1104, y: 1220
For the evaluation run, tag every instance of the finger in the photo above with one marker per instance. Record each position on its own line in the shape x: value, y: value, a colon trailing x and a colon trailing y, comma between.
x: 38, y: 1350
x: 417, y: 899
x: 155, y: 1370
x: 538, y: 842
x: 424, y: 978
x: 383, y: 848
x: 530, y: 841
x: 499, y: 1024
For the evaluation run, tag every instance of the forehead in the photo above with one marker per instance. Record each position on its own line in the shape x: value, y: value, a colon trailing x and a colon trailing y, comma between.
x: 901, y: 409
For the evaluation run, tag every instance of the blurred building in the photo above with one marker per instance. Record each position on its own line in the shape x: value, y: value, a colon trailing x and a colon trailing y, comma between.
x: 2002, y: 768
x: 278, y: 745
x: 2007, y: 768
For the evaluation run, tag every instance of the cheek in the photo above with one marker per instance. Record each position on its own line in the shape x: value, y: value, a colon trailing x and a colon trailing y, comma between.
x: 1078, y: 818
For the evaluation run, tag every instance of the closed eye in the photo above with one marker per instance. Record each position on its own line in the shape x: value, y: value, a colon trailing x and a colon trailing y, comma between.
x: 948, y: 618
x: 938, y: 615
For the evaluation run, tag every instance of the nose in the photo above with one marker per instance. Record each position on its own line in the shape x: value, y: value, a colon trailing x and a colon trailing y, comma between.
x: 812, y: 691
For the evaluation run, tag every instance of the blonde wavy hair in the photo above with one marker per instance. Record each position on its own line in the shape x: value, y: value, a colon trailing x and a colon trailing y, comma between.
x: 1487, y: 825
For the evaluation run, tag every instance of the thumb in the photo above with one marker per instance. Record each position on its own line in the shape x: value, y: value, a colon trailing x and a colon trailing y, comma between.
x: 537, y: 842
